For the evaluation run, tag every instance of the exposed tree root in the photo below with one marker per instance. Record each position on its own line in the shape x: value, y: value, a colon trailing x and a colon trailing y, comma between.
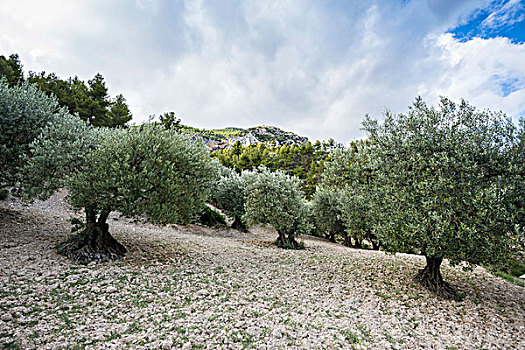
x: 288, y: 241
x: 239, y: 225
x: 430, y: 277
x: 94, y: 243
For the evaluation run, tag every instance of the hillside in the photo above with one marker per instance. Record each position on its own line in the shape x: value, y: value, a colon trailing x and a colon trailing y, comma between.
x: 194, y: 287
x: 225, y: 138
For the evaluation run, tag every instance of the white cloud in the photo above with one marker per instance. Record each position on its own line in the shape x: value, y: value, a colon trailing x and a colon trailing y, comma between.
x: 311, y: 67
x: 476, y: 69
x: 505, y: 14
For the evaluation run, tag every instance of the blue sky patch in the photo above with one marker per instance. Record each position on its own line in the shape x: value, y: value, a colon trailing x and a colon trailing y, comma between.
x: 508, y: 86
x: 499, y: 19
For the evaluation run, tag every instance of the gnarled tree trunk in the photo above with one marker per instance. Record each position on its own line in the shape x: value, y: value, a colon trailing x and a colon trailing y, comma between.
x: 348, y: 241
x: 287, y: 241
x: 373, y: 239
x: 94, y: 242
x: 330, y: 236
x: 430, y: 277
x: 239, y: 225
x: 375, y: 244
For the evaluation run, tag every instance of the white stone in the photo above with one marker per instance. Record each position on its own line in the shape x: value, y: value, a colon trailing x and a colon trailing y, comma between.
x: 7, y: 317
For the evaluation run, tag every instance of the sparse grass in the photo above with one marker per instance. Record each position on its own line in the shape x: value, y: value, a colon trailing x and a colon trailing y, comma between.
x: 322, y: 298
x: 510, y: 271
x: 12, y: 345
x: 350, y: 336
x: 515, y: 267
x: 510, y: 278
x: 364, y: 332
x: 390, y: 338
x: 382, y: 295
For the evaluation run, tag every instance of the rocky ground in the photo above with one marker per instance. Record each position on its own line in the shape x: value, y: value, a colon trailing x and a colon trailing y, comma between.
x: 193, y: 287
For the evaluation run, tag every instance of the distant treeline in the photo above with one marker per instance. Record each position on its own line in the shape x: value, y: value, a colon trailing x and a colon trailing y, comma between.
x: 307, y: 162
x: 90, y: 101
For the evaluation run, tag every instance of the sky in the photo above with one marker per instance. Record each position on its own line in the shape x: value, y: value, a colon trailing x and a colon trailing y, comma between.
x: 311, y: 67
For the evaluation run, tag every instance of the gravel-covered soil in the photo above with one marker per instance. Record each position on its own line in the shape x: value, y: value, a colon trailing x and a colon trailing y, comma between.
x: 193, y: 287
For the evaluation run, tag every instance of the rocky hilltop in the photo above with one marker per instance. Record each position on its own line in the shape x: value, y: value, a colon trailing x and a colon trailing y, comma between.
x: 216, y: 139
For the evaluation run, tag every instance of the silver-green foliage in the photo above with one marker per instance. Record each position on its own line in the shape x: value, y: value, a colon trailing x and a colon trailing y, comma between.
x: 276, y: 199
x: 327, y: 205
x: 60, y: 151
x: 340, y: 170
x: 142, y: 170
x: 443, y: 178
x: 24, y: 111
x: 517, y: 192
x: 351, y: 174
x: 228, y: 194
x: 145, y: 170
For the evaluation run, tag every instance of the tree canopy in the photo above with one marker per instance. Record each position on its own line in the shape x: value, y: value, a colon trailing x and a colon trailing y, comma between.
x: 24, y: 112
x: 91, y: 101
x: 228, y: 194
x: 327, y: 213
x: 11, y: 70
x: 142, y: 171
x: 443, y: 176
x: 276, y: 199
x: 351, y: 174
x: 305, y: 161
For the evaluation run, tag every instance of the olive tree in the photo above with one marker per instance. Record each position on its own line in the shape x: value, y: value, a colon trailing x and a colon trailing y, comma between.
x: 276, y: 199
x: 24, y: 111
x: 228, y: 195
x: 518, y: 184
x: 443, y: 178
x: 327, y: 213
x: 352, y: 175
x: 357, y: 214
x: 60, y: 151
x: 143, y: 171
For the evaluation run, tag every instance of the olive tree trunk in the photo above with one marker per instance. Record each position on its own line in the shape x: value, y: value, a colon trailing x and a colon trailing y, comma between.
x: 375, y: 244
x: 330, y: 236
x: 348, y: 241
x: 430, y: 277
x: 94, y: 242
x: 239, y: 225
x: 287, y: 241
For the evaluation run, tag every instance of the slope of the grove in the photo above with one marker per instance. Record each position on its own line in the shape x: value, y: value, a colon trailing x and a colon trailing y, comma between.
x: 384, y: 243
x: 196, y: 287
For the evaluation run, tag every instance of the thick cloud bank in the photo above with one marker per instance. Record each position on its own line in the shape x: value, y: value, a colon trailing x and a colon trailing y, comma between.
x: 313, y: 68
